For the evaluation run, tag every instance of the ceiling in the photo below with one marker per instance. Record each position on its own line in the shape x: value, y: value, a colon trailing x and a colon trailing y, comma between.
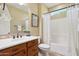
x: 49, y: 5
x: 25, y: 6
x: 21, y: 7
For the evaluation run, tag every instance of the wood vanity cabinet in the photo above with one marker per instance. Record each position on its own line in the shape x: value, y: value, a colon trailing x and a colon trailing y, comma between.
x: 32, y: 48
x: 26, y: 49
x: 19, y: 50
x: 6, y: 52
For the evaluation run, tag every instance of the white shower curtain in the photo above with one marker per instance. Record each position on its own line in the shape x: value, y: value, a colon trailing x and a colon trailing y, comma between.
x: 72, y: 19
x: 46, y: 28
x: 72, y: 16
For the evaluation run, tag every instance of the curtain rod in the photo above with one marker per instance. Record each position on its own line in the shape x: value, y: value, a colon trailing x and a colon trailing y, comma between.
x: 61, y: 8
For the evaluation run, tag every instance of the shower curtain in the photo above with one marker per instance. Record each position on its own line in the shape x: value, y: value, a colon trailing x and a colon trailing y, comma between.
x: 72, y: 34
x: 46, y: 28
x: 72, y: 16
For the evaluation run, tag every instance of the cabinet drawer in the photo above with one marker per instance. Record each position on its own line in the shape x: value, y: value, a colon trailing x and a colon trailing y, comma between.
x: 32, y: 50
x: 32, y: 43
x: 18, y: 47
x: 6, y: 52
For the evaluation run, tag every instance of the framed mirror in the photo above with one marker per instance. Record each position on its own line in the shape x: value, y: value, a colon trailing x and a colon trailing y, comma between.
x: 34, y: 20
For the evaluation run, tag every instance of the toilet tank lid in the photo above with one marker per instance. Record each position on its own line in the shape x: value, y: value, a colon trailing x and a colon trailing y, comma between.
x: 44, y: 46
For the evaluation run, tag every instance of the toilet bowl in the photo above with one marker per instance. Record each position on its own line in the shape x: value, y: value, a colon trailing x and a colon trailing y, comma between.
x: 44, y: 48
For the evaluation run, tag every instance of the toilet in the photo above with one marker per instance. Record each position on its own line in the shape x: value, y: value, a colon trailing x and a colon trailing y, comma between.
x: 44, y: 48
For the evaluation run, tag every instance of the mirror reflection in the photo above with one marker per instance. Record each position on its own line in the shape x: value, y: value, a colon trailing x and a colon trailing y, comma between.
x: 13, y: 19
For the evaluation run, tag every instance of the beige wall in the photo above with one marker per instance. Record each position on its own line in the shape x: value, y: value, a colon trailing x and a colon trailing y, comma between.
x: 37, y: 9
x: 17, y: 17
x: 43, y: 10
x: 33, y: 9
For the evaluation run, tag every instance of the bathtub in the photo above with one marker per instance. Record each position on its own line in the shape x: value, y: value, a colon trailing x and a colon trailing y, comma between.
x: 59, y: 48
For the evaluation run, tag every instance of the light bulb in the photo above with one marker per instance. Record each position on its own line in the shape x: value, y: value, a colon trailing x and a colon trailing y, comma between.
x: 21, y: 3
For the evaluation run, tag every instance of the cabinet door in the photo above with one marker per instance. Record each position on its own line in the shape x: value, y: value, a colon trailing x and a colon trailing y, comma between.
x: 20, y: 53
x: 32, y: 51
x: 18, y: 47
x: 32, y: 43
x: 19, y: 50
x: 6, y: 52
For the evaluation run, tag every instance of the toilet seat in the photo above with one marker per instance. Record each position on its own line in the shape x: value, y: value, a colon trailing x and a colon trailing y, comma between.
x: 44, y: 46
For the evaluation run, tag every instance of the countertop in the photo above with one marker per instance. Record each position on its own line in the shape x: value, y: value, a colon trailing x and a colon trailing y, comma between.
x: 9, y: 42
